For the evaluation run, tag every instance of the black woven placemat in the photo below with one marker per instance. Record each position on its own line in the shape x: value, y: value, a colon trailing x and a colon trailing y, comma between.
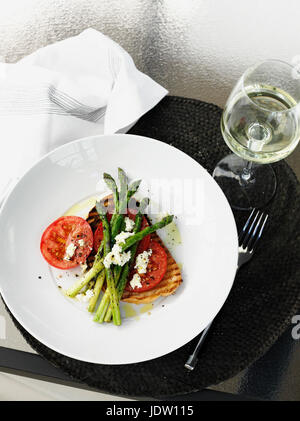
x: 265, y: 295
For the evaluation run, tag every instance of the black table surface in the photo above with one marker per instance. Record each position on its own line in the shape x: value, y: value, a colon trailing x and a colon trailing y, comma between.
x: 275, y: 376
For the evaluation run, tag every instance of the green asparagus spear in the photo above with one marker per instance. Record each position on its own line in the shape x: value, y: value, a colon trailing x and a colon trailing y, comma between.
x: 104, y: 304
x: 111, y: 184
x: 101, y: 310
x: 122, y: 210
x: 123, y: 192
x: 118, y: 269
x: 125, y: 271
x: 108, y: 272
x: 94, y: 271
x: 125, y: 195
x: 133, y: 188
x: 131, y: 191
x: 117, y: 273
x: 97, y: 289
x: 148, y: 230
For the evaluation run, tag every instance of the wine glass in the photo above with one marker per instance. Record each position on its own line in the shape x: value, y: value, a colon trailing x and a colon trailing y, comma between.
x: 260, y: 124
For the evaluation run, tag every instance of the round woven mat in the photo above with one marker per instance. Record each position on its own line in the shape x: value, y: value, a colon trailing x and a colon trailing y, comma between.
x: 265, y: 295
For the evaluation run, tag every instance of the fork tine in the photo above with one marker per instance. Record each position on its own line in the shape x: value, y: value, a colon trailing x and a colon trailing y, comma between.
x: 255, y: 241
x: 241, y: 234
x: 251, y: 237
x: 247, y: 231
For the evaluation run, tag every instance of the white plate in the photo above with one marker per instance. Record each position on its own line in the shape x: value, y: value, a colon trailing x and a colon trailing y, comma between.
x: 70, y: 174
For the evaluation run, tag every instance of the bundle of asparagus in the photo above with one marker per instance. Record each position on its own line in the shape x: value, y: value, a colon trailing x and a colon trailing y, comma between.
x: 115, y: 277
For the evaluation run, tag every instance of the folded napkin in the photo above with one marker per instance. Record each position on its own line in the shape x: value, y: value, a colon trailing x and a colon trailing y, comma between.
x: 78, y: 87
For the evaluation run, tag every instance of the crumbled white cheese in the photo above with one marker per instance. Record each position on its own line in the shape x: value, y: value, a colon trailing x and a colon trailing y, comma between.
x: 81, y: 243
x: 142, y: 261
x: 89, y: 294
x: 108, y: 259
x: 84, y: 298
x: 129, y: 224
x: 120, y: 238
x: 136, y: 281
x: 70, y: 250
x: 116, y: 257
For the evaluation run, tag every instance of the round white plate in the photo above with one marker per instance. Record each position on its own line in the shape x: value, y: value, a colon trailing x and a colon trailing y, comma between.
x: 205, y: 248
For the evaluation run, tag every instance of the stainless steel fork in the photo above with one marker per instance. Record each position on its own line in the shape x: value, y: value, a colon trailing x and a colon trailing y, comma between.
x: 248, y: 239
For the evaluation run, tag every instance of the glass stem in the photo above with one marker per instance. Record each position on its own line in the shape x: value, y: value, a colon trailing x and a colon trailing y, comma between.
x: 247, y: 173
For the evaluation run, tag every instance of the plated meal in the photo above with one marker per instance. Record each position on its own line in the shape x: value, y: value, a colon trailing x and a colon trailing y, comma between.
x: 119, y: 250
x: 186, y: 291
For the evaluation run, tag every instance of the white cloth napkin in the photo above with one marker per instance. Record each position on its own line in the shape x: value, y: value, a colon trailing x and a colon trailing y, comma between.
x: 78, y: 87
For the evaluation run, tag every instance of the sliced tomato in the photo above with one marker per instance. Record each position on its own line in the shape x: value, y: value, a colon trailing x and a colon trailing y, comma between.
x: 156, y: 269
x: 98, y: 235
x: 59, y: 235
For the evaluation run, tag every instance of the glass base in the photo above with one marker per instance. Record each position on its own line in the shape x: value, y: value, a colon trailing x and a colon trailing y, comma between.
x: 245, y: 190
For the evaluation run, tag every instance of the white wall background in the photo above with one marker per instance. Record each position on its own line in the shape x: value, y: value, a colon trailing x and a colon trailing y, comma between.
x: 196, y: 48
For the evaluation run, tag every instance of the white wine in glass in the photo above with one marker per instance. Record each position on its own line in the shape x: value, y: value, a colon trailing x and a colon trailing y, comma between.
x: 261, y: 125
